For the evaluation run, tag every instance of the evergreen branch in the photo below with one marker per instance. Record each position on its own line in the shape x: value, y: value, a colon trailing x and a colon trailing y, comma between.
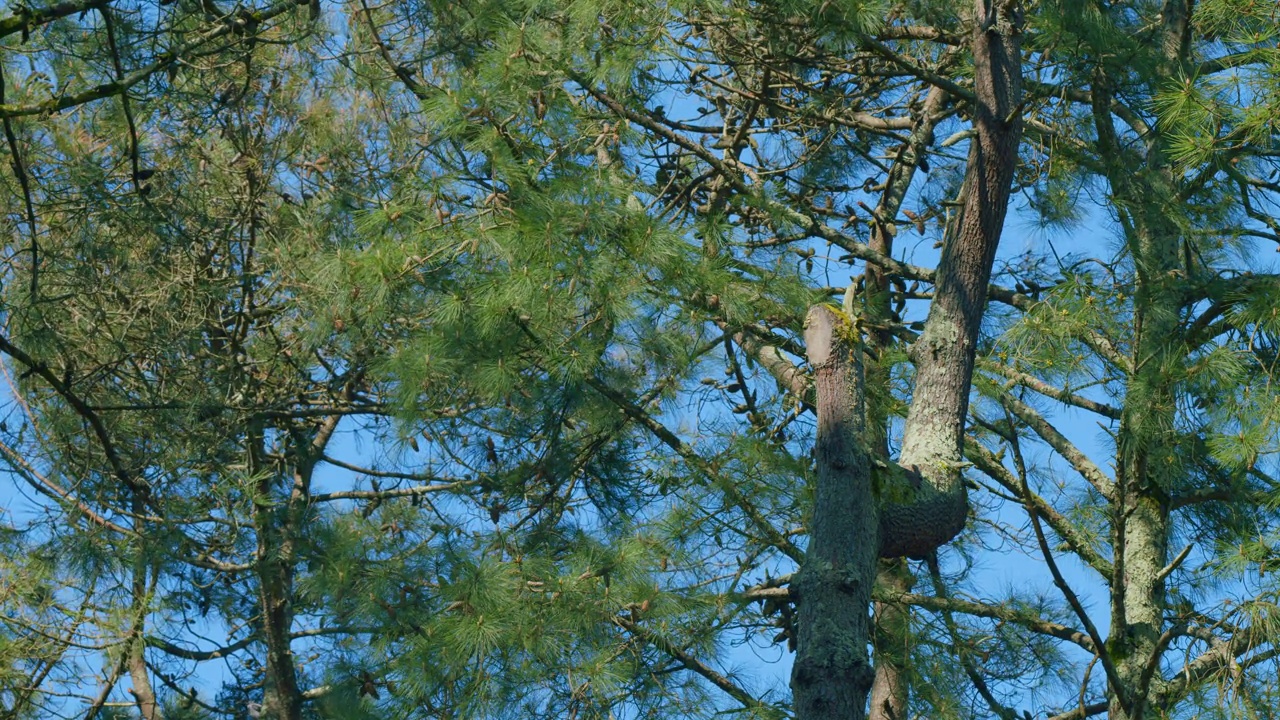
x: 237, y: 24
x: 725, y: 167
x: 857, y: 119
x: 1060, y: 444
x: 379, y: 473
x: 402, y: 72
x: 1232, y: 61
x: 995, y: 611
x: 1063, y: 395
x: 1221, y: 654
x: 776, y: 589
x: 1198, y: 495
x: 1095, y: 340
x: 188, y: 696
x: 100, y: 701
x: 810, y: 224
x: 414, y: 491
x: 20, y: 172
x: 691, y: 663
x: 918, y: 32
x: 23, y: 695
x: 962, y: 650
x: 988, y: 463
x: 918, y: 72
x: 1037, y: 88
x: 1103, y: 653
x: 1174, y: 563
x: 316, y: 692
x: 865, y: 252
x: 696, y: 461
x: 81, y: 408
x: 1081, y: 712
x: 109, y: 23
x: 1153, y: 664
x: 182, y: 653
x: 787, y: 373
x: 43, y: 485
x: 208, y: 563
x: 24, y: 19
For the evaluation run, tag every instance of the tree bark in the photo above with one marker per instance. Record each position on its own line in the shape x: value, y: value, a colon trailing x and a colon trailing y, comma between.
x: 831, y: 675
x: 850, y: 523
x: 281, y: 698
x: 143, y: 693
x: 891, y: 621
x: 1141, y: 523
x: 944, y: 353
x: 892, y: 648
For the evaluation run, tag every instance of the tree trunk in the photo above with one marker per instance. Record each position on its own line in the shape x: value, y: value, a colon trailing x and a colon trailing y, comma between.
x: 143, y: 693
x: 944, y: 353
x: 281, y: 699
x: 891, y: 622
x: 892, y: 648
x: 1141, y: 525
x: 831, y: 675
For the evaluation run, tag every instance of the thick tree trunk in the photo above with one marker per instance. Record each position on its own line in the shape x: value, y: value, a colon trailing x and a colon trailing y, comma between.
x: 892, y: 649
x: 1141, y: 524
x: 831, y: 675
x: 891, y: 622
x: 281, y: 698
x: 944, y: 353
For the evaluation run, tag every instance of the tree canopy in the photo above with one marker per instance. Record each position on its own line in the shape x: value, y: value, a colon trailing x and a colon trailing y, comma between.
x: 509, y: 358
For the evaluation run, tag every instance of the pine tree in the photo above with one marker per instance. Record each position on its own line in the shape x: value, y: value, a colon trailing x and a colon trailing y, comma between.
x: 449, y: 359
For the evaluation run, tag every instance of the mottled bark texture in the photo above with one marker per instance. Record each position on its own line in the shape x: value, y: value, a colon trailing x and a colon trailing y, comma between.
x: 944, y: 353
x: 1141, y: 523
x: 144, y: 694
x: 891, y: 621
x: 891, y: 633
x: 281, y: 697
x: 851, y: 524
x: 831, y: 675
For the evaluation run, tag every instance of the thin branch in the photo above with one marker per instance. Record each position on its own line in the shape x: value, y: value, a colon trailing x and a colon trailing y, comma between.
x: 43, y: 485
x: 237, y: 24
x: 726, y: 485
x: 414, y: 491
x: 921, y: 73
x: 109, y: 23
x: 24, y: 18
x: 1063, y: 395
x: 1030, y: 621
x: 20, y: 172
x: 1079, y: 713
x: 691, y: 663
x: 1173, y: 565
x: 1103, y: 654
x: 988, y: 463
x: 81, y: 408
x: 1060, y: 444
x: 963, y: 650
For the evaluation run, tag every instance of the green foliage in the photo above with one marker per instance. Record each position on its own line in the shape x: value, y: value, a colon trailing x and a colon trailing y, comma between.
x: 467, y: 337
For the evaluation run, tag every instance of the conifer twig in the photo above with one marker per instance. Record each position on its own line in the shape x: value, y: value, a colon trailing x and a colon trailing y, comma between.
x: 20, y: 172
